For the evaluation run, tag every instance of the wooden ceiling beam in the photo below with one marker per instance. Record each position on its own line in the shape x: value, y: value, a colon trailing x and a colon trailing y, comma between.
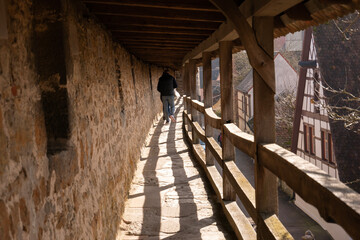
x: 159, y: 52
x: 163, y: 41
x: 152, y: 30
x: 100, y: 9
x: 161, y: 46
x: 198, y: 5
x: 226, y: 31
x: 152, y: 44
x: 156, y: 36
x: 113, y: 21
x: 268, y: 8
x: 258, y: 58
x: 181, y: 49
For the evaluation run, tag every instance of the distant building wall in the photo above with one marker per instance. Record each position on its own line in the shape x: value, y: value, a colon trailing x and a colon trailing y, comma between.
x: 315, y: 119
x: 76, y: 189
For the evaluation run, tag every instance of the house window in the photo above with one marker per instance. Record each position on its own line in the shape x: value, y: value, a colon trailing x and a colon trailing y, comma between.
x: 309, y: 139
x: 326, y: 147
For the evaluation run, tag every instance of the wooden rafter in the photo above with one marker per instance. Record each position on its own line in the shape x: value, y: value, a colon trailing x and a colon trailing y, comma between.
x: 259, y: 59
x: 192, y: 15
x: 152, y: 30
x: 159, y: 36
x: 113, y: 21
x: 200, y: 22
x: 199, y: 5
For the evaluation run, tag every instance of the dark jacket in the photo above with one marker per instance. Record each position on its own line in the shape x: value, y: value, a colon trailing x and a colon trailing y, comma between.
x: 166, y: 84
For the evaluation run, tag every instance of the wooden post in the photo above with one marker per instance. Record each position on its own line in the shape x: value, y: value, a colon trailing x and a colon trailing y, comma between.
x: 264, y: 124
x: 208, y: 101
x: 192, y: 81
x: 227, y: 115
x: 186, y: 84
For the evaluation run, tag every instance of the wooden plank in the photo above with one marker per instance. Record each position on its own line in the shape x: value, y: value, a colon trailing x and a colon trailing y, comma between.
x: 171, y: 49
x: 227, y: 115
x: 215, y: 150
x: 113, y: 21
x: 273, y: 229
x: 226, y: 30
x: 199, y: 106
x: 215, y: 179
x: 207, y: 82
x: 193, y: 85
x: 3, y: 21
x: 270, y: 8
x: 199, y: 153
x: 242, y: 186
x: 241, y: 140
x: 152, y: 30
x: 199, y: 131
x: 157, y: 36
x: 264, y: 126
x: 158, y: 13
x: 208, y: 101
x: 186, y: 85
x: 334, y: 200
x: 199, y: 5
x: 235, y: 216
x: 258, y: 58
x: 212, y: 119
x: 238, y: 221
x: 158, y: 40
x: 157, y: 43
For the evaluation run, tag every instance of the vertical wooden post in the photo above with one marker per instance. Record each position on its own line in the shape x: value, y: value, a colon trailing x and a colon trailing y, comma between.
x: 192, y: 81
x: 208, y: 101
x: 227, y: 114
x: 264, y: 125
x: 185, y: 76
x: 186, y: 84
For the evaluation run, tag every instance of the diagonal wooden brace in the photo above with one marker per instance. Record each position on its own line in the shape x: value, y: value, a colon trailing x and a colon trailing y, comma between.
x: 259, y: 59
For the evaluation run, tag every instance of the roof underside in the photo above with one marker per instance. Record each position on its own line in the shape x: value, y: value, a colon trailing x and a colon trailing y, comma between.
x: 169, y: 32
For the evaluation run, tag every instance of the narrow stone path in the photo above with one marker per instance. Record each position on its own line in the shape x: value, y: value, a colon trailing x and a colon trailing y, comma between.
x: 168, y: 198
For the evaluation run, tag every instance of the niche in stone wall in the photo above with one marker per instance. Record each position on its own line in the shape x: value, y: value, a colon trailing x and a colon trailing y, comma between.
x: 49, y: 54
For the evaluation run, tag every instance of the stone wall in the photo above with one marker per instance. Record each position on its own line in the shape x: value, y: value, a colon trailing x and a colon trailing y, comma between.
x: 75, y: 109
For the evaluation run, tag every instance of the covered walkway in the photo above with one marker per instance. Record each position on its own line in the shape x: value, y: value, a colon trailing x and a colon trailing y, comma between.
x: 168, y: 198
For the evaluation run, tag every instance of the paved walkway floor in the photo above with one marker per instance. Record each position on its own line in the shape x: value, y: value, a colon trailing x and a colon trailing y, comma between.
x: 168, y: 197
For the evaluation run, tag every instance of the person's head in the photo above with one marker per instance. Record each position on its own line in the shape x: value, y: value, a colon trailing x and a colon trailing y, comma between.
x: 166, y: 71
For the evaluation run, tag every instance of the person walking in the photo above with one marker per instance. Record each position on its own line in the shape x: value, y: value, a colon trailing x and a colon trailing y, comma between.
x: 166, y: 86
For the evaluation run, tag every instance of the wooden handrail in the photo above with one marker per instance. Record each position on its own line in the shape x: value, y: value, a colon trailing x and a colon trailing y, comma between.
x: 242, y: 187
x: 212, y: 119
x: 199, y: 131
x: 215, y: 149
x: 342, y: 203
x: 240, y: 139
x: 199, y: 106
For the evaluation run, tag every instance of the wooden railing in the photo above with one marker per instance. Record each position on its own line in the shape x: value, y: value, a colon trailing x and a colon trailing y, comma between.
x: 334, y: 200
